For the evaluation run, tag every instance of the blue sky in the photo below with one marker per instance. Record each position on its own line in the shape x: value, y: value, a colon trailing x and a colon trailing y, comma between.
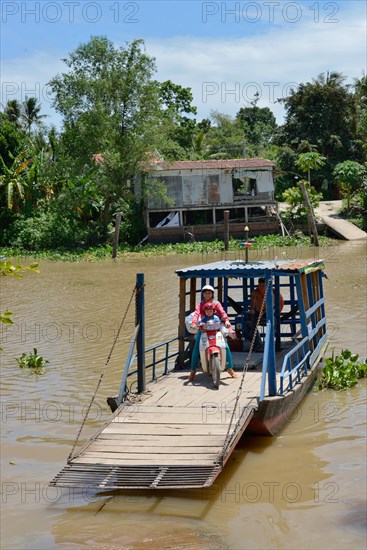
x: 224, y: 51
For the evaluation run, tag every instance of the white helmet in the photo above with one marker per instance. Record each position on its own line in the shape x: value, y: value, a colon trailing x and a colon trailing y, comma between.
x: 207, y: 287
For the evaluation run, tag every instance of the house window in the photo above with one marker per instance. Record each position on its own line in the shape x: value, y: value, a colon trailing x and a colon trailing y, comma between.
x: 244, y: 187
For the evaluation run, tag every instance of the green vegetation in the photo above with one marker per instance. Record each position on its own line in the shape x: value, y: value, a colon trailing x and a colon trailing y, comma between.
x: 8, y: 269
x: 32, y: 361
x: 262, y: 242
x: 60, y: 190
x: 294, y: 197
x: 5, y: 318
x: 342, y: 371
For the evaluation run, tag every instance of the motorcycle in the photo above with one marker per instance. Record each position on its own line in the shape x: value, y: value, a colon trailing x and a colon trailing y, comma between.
x: 212, y: 349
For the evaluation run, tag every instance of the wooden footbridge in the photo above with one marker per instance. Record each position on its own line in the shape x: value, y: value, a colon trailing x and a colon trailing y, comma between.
x: 178, y: 434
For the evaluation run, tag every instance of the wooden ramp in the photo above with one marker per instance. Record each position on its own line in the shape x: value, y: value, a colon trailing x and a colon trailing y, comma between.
x: 343, y: 228
x: 177, y: 435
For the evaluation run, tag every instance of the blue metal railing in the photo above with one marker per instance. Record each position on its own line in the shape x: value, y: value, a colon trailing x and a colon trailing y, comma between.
x: 155, y: 359
x: 295, y: 362
x: 295, y: 365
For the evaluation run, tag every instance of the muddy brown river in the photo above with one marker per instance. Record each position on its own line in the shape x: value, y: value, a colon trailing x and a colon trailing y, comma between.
x: 303, y: 489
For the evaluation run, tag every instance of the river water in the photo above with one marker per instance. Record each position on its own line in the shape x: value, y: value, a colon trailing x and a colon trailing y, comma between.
x: 303, y: 489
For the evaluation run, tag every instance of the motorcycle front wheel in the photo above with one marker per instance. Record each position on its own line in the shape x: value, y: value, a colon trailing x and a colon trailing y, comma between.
x: 215, y: 370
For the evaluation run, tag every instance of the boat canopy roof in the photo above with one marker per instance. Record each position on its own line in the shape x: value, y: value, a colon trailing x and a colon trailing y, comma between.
x: 240, y: 268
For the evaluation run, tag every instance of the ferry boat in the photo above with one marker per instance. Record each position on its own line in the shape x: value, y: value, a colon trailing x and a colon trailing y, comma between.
x: 294, y: 338
x: 175, y: 433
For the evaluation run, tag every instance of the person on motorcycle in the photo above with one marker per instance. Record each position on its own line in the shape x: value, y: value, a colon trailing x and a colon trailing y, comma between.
x: 208, y: 296
x: 209, y: 313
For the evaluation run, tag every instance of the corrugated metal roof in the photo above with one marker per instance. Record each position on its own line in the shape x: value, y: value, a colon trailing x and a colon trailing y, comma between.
x: 220, y: 164
x: 254, y: 269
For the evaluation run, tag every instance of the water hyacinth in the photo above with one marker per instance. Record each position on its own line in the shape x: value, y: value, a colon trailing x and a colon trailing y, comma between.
x: 261, y: 242
x: 32, y: 361
x: 342, y: 371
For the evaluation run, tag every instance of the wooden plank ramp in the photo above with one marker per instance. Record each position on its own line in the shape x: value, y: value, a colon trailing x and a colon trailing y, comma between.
x: 175, y: 435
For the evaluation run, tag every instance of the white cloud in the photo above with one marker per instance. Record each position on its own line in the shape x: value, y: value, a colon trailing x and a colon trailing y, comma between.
x: 220, y: 70
x: 273, y: 61
x: 28, y: 77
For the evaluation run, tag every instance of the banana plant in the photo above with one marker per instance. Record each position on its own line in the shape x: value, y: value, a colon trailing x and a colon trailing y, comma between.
x: 13, y: 181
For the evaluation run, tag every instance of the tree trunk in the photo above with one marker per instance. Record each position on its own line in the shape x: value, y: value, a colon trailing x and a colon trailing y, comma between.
x: 311, y: 219
x: 117, y: 234
x: 106, y: 216
x: 226, y: 229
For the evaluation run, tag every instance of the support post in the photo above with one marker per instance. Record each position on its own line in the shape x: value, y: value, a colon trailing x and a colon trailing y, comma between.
x: 140, y: 341
x: 311, y: 219
x: 117, y: 234
x: 192, y: 294
x: 270, y: 333
x: 226, y: 229
x: 181, y: 324
x: 246, y: 243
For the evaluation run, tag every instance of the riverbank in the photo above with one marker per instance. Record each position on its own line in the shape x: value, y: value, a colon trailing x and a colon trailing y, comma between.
x: 261, y: 242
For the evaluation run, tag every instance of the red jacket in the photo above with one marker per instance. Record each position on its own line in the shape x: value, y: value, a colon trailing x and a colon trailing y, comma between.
x: 218, y: 310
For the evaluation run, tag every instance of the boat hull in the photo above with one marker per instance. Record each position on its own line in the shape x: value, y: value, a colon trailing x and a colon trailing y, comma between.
x: 274, y: 412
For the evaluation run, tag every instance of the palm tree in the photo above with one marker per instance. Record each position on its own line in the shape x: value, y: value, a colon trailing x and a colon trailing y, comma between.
x: 12, y: 111
x: 31, y: 112
x: 199, y: 148
x: 332, y: 78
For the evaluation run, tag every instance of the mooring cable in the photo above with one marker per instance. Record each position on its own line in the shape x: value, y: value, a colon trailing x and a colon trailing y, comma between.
x: 134, y: 293
x: 244, y: 371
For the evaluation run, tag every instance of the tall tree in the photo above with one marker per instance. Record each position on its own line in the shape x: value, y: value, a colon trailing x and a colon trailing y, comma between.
x: 360, y: 92
x: 259, y: 125
x: 109, y: 105
x: 225, y: 137
x: 176, y: 129
x: 323, y: 112
x: 31, y: 113
x: 13, y: 111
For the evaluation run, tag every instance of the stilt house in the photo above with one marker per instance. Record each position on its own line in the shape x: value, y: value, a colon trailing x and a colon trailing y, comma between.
x: 200, y: 192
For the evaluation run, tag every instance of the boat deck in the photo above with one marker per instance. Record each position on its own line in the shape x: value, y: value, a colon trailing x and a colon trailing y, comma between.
x: 176, y: 434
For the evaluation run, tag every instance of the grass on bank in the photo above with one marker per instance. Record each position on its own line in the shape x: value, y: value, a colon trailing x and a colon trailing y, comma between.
x: 260, y: 243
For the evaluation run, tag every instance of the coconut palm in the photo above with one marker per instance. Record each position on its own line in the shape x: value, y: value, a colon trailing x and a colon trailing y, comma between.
x: 31, y: 112
x: 332, y: 78
x: 12, y: 111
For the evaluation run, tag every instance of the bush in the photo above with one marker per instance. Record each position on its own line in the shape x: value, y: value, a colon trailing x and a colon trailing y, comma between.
x: 294, y: 197
x: 47, y: 230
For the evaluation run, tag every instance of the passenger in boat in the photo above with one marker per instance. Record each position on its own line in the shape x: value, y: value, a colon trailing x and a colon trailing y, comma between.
x: 208, y: 296
x: 209, y: 313
x: 257, y: 298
